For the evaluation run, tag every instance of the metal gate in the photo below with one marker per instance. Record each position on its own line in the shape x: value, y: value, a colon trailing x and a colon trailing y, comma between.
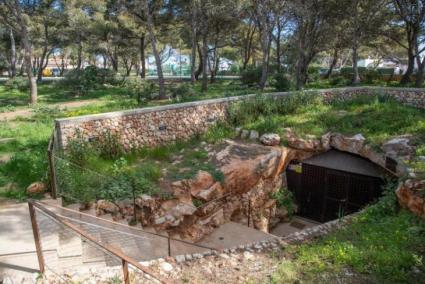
x: 324, y: 194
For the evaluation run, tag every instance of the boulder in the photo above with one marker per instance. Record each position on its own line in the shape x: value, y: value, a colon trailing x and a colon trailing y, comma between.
x: 270, y: 139
x: 244, y: 134
x: 253, y: 135
x: 411, y: 196
x: 36, y: 188
x: 353, y: 144
x: 215, y: 191
x: 203, y: 180
x: 104, y: 206
x: 399, y: 147
x: 311, y: 144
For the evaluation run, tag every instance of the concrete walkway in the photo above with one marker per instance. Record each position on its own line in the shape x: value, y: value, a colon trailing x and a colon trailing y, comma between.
x: 295, y: 225
x: 18, y: 260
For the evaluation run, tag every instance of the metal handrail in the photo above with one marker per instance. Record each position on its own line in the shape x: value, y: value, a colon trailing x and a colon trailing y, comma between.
x: 116, y: 252
x: 130, y: 227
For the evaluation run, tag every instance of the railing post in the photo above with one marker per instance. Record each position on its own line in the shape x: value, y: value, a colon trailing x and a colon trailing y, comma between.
x: 125, y: 272
x: 52, y: 168
x: 36, y: 234
x: 249, y: 211
x: 169, y: 246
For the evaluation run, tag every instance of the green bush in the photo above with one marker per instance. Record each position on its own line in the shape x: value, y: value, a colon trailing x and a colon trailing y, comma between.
x: 81, y: 82
x: 109, y: 146
x: 281, y: 82
x: 141, y: 90
x: 251, y: 76
x: 250, y: 110
x: 182, y: 92
x: 17, y: 83
x: 313, y: 73
x: 370, y: 75
x: 339, y: 81
x: 285, y: 199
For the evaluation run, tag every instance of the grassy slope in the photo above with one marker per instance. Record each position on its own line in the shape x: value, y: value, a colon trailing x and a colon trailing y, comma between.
x: 381, y: 245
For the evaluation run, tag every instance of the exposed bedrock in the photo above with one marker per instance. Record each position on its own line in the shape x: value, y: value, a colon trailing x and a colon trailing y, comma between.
x: 251, y: 174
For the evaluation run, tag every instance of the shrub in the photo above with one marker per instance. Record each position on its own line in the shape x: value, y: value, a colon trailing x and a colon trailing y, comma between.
x: 109, y: 146
x: 77, y: 150
x: 81, y: 82
x: 339, y: 81
x: 141, y: 90
x: 313, y: 73
x: 17, y: 83
x: 251, y: 76
x: 370, y: 75
x: 281, y: 82
x: 182, y: 92
x: 247, y: 111
x: 285, y: 199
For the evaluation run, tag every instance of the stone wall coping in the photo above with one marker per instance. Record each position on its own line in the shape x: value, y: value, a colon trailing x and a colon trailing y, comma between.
x: 108, y: 115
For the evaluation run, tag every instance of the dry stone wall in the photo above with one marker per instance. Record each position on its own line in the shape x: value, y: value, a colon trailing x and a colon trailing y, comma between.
x: 158, y: 125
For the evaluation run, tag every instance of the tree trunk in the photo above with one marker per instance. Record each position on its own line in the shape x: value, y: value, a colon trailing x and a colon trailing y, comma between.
x: 28, y: 65
x: 12, y: 67
x: 248, y: 44
x: 356, y: 78
x: 79, y: 55
x: 200, y: 64
x: 142, y: 57
x: 421, y: 65
x: 204, y: 87
x: 265, y: 44
x: 194, y: 44
x: 215, y: 68
x: 301, y: 71
x: 333, y: 63
x: 42, y: 64
x: 149, y: 22
x: 279, y: 30
x: 405, y: 79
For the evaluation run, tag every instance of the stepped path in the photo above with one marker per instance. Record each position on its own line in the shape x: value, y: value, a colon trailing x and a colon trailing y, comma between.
x: 64, y: 251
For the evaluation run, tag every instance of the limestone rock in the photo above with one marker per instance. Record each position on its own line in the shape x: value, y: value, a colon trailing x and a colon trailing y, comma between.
x: 399, y: 147
x: 244, y: 134
x: 270, y: 139
x: 410, y: 196
x: 311, y: 144
x: 36, y: 188
x: 214, y: 191
x: 203, y: 180
x: 253, y: 135
x: 352, y: 144
x: 104, y: 206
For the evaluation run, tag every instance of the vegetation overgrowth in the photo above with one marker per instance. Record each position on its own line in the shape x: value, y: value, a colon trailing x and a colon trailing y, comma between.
x: 383, y: 244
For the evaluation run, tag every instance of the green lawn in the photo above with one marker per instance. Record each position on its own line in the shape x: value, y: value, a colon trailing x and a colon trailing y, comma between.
x: 382, y: 245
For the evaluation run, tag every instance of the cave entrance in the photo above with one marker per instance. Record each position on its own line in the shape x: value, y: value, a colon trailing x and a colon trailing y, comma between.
x: 334, y: 184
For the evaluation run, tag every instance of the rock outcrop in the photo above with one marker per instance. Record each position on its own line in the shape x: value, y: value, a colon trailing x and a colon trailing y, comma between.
x: 411, y: 195
x: 36, y: 188
x: 251, y: 174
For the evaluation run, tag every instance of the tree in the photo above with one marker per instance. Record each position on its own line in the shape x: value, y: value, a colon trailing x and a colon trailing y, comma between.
x: 313, y: 29
x: 411, y: 13
x: 17, y: 16
x: 263, y: 13
x: 365, y: 19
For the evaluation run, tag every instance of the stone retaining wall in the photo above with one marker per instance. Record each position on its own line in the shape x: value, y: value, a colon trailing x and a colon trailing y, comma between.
x: 158, y: 125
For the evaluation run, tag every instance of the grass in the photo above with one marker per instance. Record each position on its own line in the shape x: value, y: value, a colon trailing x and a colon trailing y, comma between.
x: 381, y: 245
x: 377, y: 118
